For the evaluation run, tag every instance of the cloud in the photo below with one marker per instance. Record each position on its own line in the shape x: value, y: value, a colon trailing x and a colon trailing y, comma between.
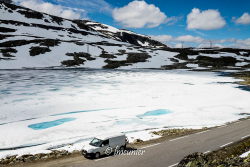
x: 235, y: 43
x: 172, y: 20
x: 243, y: 43
x: 189, y: 38
x: 178, y: 45
x: 162, y: 38
x: 196, y: 41
x: 205, y: 20
x: 207, y: 45
x: 244, y: 19
x: 199, y: 32
x: 183, y: 38
x: 50, y: 8
x: 139, y: 14
x: 230, y: 42
x: 90, y: 6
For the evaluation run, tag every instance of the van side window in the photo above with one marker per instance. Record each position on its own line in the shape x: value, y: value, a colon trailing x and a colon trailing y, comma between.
x: 105, y: 143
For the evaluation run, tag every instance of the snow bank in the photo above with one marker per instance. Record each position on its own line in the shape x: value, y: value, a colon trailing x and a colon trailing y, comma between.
x: 245, y: 154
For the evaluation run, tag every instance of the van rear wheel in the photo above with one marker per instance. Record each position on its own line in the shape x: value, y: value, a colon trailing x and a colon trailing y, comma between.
x: 97, y: 155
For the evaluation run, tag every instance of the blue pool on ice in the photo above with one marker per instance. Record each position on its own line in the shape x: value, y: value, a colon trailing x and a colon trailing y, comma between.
x: 45, y: 125
x: 155, y: 112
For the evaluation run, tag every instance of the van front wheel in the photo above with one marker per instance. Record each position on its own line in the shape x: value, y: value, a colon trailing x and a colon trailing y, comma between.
x: 97, y: 155
x: 122, y: 148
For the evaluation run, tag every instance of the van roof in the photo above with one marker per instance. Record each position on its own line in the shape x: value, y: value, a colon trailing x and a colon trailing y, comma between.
x: 104, y: 137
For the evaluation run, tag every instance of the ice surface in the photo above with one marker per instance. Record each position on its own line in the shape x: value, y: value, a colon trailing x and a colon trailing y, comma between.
x: 109, y: 101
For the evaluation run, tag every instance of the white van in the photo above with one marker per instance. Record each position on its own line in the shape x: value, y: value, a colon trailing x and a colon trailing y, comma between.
x: 104, y: 145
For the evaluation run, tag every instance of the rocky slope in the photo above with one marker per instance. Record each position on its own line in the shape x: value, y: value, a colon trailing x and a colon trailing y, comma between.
x: 31, y: 39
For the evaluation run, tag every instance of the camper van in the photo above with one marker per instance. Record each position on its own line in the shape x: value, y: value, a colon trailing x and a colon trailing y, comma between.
x: 104, y: 145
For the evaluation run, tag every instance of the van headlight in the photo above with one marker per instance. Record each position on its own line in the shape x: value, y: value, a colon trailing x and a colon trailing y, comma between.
x: 91, y: 150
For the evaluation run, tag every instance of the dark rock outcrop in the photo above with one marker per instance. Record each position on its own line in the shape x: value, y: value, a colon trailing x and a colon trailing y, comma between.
x: 5, y: 29
x: 134, y: 38
x: 111, y: 64
x: 216, y: 62
x: 6, y: 52
x: 77, y: 59
x: 36, y: 50
x: 6, y: 1
x: 182, y: 56
x: 131, y: 58
x: 82, y: 25
x: 31, y: 14
x: 137, y: 57
x: 81, y: 54
x: 49, y: 42
x: 106, y: 55
x: 175, y: 66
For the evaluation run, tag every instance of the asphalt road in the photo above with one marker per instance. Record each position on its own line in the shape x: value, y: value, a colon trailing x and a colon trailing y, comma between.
x: 169, y: 153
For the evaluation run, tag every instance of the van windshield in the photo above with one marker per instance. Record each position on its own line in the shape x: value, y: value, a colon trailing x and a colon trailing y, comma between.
x: 96, y: 142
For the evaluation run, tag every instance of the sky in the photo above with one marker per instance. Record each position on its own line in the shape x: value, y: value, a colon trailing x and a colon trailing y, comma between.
x: 224, y: 23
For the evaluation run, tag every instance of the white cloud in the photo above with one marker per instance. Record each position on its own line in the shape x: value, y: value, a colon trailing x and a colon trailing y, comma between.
x: 196, y: 41
x: 184, y: 38
x: 162, y: 38
x: 237, y: 43
x: 207, y: 45
x: 178, y: 45
x: 189, y: 38
x: 230, y: 42
x: 244, y: 19
x: 69, y: 14
x: 50, y: 8
x: 90, y: 6
x: 172, y: 20
x: 205, y: 20
x: 243, y: 43
x: 138, y: 14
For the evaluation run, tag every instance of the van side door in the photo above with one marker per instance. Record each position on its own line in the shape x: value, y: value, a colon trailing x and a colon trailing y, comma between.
x: 104, y: 146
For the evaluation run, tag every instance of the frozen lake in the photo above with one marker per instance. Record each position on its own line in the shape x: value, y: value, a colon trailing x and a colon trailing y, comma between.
x: 48, y: 108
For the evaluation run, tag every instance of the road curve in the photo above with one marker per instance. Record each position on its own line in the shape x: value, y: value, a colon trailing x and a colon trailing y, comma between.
x: 170, y: 152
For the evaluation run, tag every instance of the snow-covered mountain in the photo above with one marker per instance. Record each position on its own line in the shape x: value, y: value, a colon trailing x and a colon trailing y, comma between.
x: 33, y: 39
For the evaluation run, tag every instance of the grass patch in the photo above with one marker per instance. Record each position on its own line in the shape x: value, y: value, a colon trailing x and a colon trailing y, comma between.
x: 245, y: 75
